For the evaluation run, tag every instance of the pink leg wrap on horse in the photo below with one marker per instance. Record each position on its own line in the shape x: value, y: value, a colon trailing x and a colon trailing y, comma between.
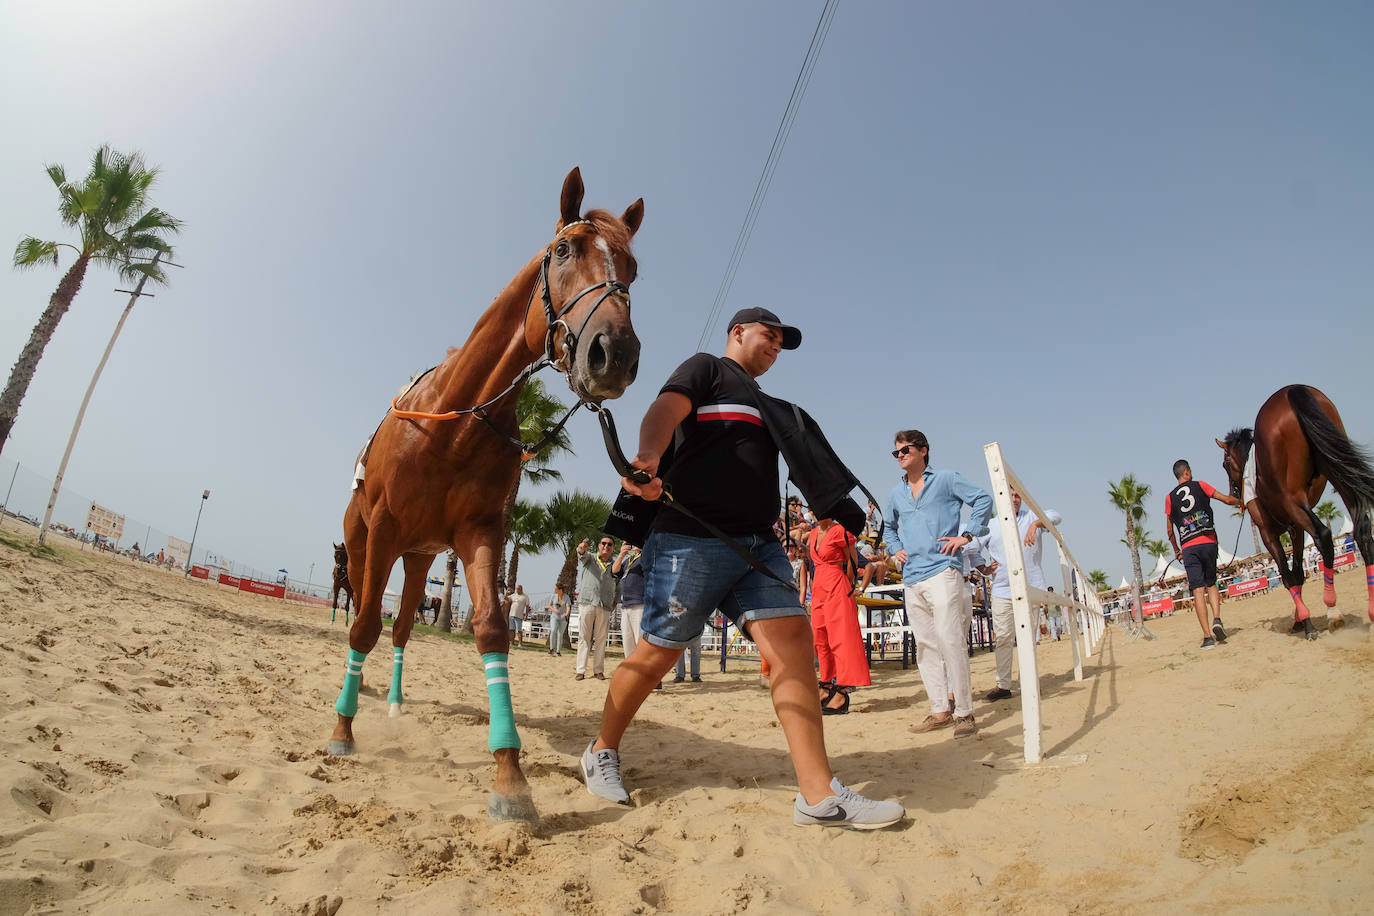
x: 1300, y: 611
x: 1328, y: 586
x: 1369, y: 581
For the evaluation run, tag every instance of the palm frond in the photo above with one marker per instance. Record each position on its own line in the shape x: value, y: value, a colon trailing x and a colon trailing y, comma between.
x: 30, y: 252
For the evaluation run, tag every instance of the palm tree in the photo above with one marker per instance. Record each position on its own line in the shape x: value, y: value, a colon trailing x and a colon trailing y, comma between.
x: 573, y: 518
x: 536, y: 412
x: 109, y: 210
x: 1155, y: 547
x: 1326, y: 511
x: 529, y: 530
x: 1129, y: 496
x: 1099, y: 581
x: 444, y: 621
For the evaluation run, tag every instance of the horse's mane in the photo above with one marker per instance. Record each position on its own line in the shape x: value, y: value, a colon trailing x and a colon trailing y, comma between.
x: 1241, y: 436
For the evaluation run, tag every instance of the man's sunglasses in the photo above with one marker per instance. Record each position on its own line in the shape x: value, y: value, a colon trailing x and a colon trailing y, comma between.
x: 902, y: 452
x: 606, y: 544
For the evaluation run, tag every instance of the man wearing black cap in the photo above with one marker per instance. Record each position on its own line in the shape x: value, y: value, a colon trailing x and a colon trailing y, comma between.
x: 726, y: 470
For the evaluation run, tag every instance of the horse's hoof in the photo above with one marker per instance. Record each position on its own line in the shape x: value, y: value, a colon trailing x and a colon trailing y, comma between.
x: 342, y: 748
x: 394, y: 711
x: 511, y: 808
x: 1335, y: 622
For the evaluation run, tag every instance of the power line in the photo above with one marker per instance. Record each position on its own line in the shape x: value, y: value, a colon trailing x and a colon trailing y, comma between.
x: 770, y: 166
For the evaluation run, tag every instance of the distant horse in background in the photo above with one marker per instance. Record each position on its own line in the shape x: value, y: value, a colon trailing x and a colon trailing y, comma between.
x: 436, y: 473
x: 341, y: 583
x: 1298, y: 444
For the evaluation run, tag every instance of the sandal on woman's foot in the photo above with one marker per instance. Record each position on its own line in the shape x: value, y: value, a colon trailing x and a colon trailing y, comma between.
x: 840, y: 710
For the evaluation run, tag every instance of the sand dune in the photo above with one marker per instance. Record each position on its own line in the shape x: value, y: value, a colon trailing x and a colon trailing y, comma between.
x: 163, y: 741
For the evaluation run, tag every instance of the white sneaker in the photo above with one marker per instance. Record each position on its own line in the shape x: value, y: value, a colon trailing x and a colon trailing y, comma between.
x: 601, y: 773
x: 848, y: 809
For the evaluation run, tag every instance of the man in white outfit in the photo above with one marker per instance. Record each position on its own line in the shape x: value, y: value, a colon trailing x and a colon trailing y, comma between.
x: 990, y: 547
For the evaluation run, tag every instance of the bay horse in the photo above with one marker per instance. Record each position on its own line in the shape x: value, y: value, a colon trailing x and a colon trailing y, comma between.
x: 436, y: 473
x: 341, y: 583
x: 1298, y: 444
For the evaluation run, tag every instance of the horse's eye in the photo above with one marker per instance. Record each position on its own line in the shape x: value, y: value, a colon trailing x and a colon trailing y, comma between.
x: 563, y: 249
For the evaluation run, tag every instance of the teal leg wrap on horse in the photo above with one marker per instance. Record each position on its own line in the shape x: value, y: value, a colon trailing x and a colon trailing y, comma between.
x: 502, y: 731
x: 353, y: 676
x: 397, y: 660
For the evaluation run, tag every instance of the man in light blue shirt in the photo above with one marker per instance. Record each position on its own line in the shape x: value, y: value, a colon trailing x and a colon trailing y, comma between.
x: 926, y: 541
x: 991, y: 549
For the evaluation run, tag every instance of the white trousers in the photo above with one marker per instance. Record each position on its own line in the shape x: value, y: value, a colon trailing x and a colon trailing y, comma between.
x: 935, y: 607
x: 1004, y: 627
x: 630, y: 616
x: 593, y: 628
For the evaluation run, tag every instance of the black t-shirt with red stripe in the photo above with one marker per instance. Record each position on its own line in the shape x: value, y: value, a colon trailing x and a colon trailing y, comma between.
x: 1189, y: 508
x: 726, y: 466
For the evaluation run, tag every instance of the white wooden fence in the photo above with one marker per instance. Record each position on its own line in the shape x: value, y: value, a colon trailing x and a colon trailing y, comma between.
x: 1083, y: 639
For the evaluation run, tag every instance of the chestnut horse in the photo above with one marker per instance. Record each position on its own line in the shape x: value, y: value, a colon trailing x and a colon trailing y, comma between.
x: 341, y: 582
x: 1299, y: 443
x: 439, y: 467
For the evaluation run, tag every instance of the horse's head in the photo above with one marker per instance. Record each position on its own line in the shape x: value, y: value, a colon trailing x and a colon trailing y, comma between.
x: 340, y: 555
x: 587, y: 271
x: 1235, y: 450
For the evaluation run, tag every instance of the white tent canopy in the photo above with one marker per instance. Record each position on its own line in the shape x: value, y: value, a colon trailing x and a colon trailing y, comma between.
x: 1124, y: 583
x: 1162, y: 563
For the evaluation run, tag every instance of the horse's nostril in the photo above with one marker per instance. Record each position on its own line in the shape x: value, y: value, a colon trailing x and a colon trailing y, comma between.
x: 597, y: 356
x: 633, y: 373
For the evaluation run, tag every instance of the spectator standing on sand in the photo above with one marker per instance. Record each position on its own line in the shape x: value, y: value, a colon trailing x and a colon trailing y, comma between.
x: 993, y: 552
x: 923, y: 515
x: 519, y: 607
x: 560, y: 608
x: 595, y: 598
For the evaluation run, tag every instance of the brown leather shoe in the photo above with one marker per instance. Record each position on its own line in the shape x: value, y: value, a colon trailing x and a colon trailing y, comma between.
x: 580, y: 677
x: 600, y: 677
x: 965, y: 727
x: 932, y: 723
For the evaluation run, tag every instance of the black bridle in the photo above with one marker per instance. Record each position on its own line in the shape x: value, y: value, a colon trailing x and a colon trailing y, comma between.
x: 552, y: 320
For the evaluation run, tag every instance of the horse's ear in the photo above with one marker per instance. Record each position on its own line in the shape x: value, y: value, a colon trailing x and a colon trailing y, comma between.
x: 633, y: 216
x: 1221, y: 445
x: 570, y: 204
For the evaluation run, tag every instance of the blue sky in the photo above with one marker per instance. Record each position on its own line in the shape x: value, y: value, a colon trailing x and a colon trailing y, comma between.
x: 1101, y: 234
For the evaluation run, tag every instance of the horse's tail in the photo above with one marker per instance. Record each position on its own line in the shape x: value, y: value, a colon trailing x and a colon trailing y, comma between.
x: 1345, y: 464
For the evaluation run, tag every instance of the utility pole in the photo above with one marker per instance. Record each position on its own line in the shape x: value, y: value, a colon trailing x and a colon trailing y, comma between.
x: 90, y: 389
x: 190, y: 551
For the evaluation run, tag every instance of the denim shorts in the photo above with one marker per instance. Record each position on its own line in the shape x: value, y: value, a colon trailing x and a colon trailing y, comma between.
x: 517, y: 624
x: 688, y: 578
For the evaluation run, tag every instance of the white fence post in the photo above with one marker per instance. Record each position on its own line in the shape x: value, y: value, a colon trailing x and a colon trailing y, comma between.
x: 1020, y: 602
x: 1022, y: 594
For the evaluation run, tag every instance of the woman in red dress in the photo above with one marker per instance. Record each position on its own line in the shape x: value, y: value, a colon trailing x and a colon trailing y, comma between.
x: 835, y: 616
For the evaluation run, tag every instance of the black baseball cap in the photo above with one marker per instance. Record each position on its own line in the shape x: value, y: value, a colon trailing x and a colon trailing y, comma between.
x: 791, y: 337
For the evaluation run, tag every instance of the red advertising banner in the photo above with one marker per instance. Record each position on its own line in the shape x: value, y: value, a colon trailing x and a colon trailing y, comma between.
x: 1158, y: 607
x: 262, y: 588
x: 200, y: 572
x: 226, y: 579
x: 1344, y: 559
x: 1246, y: 587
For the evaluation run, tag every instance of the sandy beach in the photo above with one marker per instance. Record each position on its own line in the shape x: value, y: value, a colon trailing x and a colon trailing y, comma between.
x: 163, y: 744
